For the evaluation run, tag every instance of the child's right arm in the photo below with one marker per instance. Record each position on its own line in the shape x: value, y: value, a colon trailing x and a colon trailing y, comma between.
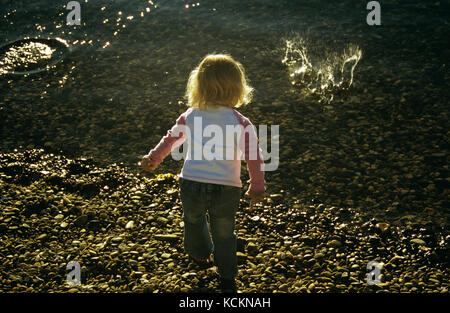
x: 174, y: 137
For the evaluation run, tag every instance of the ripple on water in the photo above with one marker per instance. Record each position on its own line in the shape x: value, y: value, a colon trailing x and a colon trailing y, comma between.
x: 31, y: 55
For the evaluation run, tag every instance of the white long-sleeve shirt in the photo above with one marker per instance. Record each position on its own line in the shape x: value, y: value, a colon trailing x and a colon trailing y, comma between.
x: 212, y: 158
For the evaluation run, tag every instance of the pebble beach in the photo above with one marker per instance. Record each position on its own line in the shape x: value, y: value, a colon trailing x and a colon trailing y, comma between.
x: 125, y: 230
x: 363, y: 145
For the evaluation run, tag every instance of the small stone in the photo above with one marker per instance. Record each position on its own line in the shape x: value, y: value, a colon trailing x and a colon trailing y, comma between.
x: 420, y: 242
x: 162, y: 220
x: 41, y: 237
x: 59, y: 217
x: 276, y: 196
x: 241, y: 256
x: 165, y: 237
x: 284, y: 287
x: 334, y: 243
x: 251, y: 247
x: 186, y: 275
x: 133, y: 263
x: 117, y: 239
x: 255, y: 218
x: 319, y: 256
x: 165, y: 255
x: 395, y: 259
x: 130, y: 225
x: 382, y: 227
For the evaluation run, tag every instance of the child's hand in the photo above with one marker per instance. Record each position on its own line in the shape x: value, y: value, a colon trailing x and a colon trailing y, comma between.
x: 147, y: 163
x: 255, y: 197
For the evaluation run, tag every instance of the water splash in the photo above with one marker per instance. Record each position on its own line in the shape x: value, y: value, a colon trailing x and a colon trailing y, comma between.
x: 318, y: 69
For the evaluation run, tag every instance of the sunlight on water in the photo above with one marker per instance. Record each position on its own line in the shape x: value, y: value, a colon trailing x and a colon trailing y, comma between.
x: 25, y: 55
x: 30, y: 55
x: 320, y: 70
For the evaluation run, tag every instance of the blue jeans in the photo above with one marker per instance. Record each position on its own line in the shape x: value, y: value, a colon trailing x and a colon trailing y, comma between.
x: 221, y: 202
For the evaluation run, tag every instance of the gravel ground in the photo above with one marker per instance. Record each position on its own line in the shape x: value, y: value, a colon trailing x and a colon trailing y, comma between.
x: 363, y: 175
x: 125, y: 230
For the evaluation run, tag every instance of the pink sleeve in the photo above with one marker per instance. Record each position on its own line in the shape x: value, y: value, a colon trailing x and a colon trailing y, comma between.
x: 252, y: 153
x: 174, y: 137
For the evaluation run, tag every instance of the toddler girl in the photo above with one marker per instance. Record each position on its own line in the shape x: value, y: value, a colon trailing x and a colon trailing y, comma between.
x: 213, y: 184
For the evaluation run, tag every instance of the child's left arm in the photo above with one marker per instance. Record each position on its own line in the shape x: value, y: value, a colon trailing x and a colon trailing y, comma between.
x: 174, y: 138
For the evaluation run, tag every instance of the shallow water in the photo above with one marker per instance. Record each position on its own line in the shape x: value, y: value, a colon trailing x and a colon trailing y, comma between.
x: 121, y: 83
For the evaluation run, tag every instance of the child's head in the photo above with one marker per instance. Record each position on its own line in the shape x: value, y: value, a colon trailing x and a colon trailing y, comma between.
x: 218, y: 80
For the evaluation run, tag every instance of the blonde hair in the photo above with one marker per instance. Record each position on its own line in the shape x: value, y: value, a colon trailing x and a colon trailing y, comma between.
x: 218, y: 80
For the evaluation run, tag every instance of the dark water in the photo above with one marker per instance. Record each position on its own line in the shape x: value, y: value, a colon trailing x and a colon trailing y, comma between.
x: 120, y: 85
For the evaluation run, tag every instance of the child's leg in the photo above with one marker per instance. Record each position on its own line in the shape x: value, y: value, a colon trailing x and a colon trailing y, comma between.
x: 197, y: 240
x: 222, y: 219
